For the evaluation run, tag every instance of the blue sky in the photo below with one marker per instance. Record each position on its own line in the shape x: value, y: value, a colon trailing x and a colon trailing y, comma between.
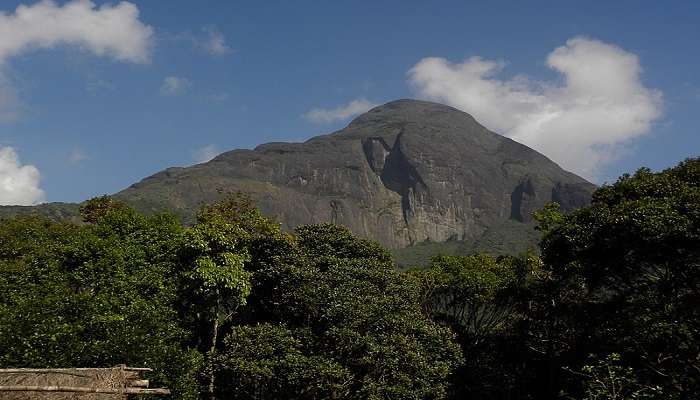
x: 90, y: 109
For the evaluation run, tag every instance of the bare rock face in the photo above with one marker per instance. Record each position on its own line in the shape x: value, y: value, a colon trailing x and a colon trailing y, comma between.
x: 403, y: 173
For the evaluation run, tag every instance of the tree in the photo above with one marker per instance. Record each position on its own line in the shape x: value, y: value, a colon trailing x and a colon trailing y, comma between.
x: 479, y: 297
x: 97, y: 208
x: 344, y: 324
x: 474, y: 294
x: 623, y: 277
x: 215, y: 253
x: 94, y: 295
x: 269, y: 361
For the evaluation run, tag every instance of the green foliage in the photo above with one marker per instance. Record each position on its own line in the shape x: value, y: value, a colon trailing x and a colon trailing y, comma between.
x: 623, y: 277
x: 233, y: 307
x: 549, y: 217
x: 608, y: 379
x: 320, y: 314
x: 216, y: 282
x: 216, y: 258
x: 270, y: 362
x: 93, y: 295
x: 345, y: 324
x: 329, y: 241
x: 95, y: 209
x: 479, y: 297
x: 475, y: 294
x: 238, y: 210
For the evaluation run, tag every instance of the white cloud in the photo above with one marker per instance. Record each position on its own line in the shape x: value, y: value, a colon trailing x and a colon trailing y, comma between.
x: 206, y: 153
x: 582, y: 123
x: 353, y: 108
x: 19, y: 184
x: 215, y: 43
x: 113, y: 31
x: 108, y: 30
x: 173, y: 85
x: 210, y: 40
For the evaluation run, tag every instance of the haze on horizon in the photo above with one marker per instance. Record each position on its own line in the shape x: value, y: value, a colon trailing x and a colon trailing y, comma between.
x: 97, y: 95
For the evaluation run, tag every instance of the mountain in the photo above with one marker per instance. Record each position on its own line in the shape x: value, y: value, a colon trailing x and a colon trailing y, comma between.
x: 407, y: 173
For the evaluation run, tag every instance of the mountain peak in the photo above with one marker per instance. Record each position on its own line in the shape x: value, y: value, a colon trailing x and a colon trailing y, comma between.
x: 410, y: 110
x: 402, y: 173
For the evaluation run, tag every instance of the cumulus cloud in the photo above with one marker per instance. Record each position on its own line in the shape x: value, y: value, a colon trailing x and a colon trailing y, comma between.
x: 113, y: 31
x: 173, y: 85
x: 206, y: 153
x: 19, y: 184
x: 581, y: 122
x: 353, y: 108
x: 108, y: 30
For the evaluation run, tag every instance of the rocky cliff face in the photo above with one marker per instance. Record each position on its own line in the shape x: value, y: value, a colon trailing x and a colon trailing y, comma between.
x: 403, y: 173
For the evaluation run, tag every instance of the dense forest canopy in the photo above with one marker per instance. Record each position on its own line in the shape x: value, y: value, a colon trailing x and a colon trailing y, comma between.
x: 234, y: 307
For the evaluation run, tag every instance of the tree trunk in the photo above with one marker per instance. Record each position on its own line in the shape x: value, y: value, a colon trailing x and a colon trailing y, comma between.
x: 212, y: 351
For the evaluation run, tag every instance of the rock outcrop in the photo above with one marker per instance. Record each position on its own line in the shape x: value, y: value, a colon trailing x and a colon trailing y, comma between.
x: 403, y: 173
